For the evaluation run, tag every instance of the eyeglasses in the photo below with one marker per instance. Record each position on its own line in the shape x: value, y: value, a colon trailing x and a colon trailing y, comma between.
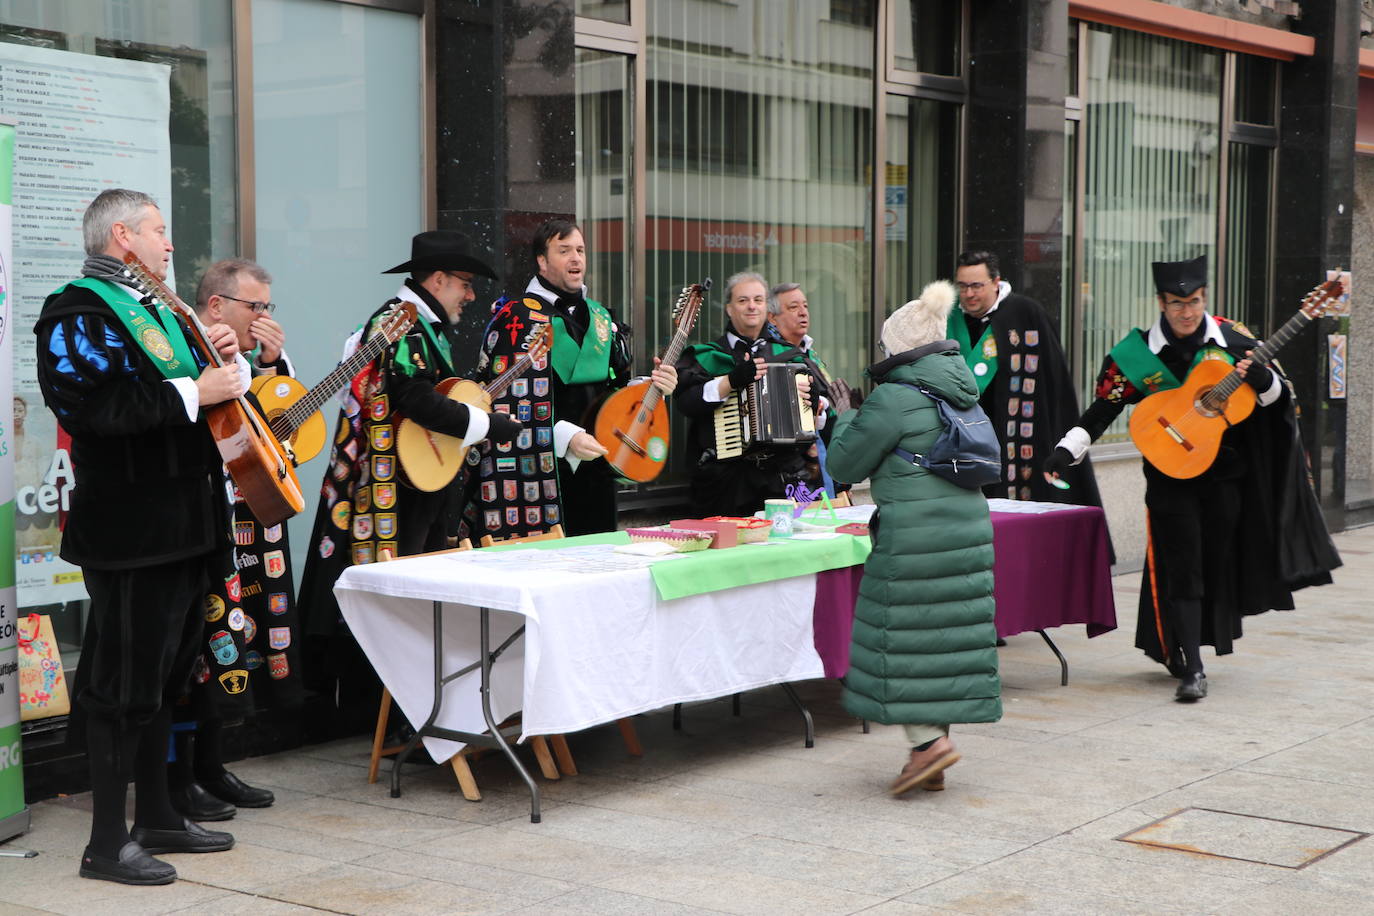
x: 259, y: 308
x: 1177, y: 307
x: 971, y: 287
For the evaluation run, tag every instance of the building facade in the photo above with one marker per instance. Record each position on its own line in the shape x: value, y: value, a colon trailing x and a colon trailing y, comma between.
x: 852, y: 146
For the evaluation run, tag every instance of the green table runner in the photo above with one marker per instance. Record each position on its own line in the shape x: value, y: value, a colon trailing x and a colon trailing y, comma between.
x: 747, y: 564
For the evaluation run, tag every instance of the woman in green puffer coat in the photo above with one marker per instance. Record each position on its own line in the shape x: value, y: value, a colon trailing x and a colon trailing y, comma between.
x: 924, y: 651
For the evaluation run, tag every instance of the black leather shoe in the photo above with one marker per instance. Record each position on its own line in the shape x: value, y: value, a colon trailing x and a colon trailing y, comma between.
x: 193, y: 838
x: 199, y: 805
x: 236, y: 792
x: 133, y: 865
x: 1193, y: 687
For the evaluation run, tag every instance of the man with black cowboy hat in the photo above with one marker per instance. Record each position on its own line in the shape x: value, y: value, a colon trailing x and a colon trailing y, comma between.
x: 1242, y: 536
x: 365, y: 506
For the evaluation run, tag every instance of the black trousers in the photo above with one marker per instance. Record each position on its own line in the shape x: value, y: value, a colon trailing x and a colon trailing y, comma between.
x: 142, y: 637
x: 588, y: 497
x: 739, y: 486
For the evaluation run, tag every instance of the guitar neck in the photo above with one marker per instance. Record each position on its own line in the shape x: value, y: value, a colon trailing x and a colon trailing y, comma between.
x: 497, y: 386
x: 1262, y: 354
x: 330, y: 385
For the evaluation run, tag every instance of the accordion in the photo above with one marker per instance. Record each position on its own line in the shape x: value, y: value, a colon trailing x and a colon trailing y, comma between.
x: 768, y: 411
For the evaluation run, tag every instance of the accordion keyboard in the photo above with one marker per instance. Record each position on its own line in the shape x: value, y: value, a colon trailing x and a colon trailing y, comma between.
x: 729, y: 428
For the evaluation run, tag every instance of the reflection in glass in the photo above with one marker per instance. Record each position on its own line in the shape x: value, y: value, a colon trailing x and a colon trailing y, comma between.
x: 927, y: 36
x: 603, y: 175
x: 921, y: 195
x: 1247, y: 236
x: 1152, y: 113
x: 760, y: 158
x: 1256, y: 79
x: 608, y: 11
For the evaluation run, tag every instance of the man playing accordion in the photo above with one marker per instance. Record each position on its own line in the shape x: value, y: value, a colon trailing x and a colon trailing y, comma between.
x: 727, y: 478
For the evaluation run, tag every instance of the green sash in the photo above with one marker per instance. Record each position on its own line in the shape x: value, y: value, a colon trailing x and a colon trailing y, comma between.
x: 159, y: 336
x: 1144, y: 369
x: 589, y: 361
x: 983, y: 354
x: 719, y: 362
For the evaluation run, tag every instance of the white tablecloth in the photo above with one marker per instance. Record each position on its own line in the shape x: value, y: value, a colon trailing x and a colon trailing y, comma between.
x: 599, y: 644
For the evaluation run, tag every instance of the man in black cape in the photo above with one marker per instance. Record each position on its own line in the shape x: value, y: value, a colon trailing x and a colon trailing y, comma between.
x: 367, y: 508
x: 1024, y: 382
x: 1237, y: 539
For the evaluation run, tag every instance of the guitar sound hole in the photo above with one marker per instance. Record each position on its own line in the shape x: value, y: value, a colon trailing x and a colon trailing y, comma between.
x: 1202, y: 407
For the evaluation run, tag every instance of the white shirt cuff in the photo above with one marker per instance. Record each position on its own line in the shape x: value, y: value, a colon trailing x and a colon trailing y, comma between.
x: 1076, y: 441
x: 190, y: 395
x: 710, y: 392
x: 478, y: 425
x: 245, y: 371
x: 1271, y: 394
x: 563, y: 431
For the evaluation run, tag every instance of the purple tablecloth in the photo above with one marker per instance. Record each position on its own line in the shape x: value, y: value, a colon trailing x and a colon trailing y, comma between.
x: 1049, y: 569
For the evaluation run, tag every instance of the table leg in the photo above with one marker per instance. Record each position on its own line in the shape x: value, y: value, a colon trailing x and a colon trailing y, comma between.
x: 434, y: 707
x: 806, y: 714
x: 491, y: 719
x: 677, y: 717
x: 1063, y: 662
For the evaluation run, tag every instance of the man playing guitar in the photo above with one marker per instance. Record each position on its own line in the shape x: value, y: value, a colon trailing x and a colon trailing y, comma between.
x: 149, y: 522
x: 1213, y: 550
x: 367, y: 508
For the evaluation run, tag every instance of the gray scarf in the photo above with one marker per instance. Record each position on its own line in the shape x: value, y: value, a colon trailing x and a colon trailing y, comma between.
x: 105, y: 267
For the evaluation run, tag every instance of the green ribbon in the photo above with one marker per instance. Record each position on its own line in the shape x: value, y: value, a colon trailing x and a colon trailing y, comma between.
x: 1144, y: 369
x: 157, y: 332
x: 957, y: 329
x: 589, y: 361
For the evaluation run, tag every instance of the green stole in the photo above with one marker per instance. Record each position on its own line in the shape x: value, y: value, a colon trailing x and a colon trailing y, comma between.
x: 983, y: 354
x: 719, y: 362
x: 1144, y: 369
x: 158, y: 335
x: 589, y: 361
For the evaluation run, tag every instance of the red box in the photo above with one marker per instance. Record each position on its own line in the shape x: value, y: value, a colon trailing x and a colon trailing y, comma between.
x: 723, y: 534
x: 858, y: 529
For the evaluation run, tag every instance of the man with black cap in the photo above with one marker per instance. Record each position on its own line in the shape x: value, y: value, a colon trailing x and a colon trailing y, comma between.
x: 1220, y: 545
x: 366, y: 508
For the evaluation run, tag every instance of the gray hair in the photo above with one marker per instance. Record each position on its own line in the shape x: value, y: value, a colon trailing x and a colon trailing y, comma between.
x: 222, y: 279
x: 773, y: 307
x: 744, y: 276
x: 113, y: 205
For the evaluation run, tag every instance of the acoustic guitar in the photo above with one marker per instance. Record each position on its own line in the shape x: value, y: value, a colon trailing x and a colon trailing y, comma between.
x: 293, y: 413
x: 632, y: 422
x: 255, y: 460
x: 431, y: 460
x: 1179, y: 431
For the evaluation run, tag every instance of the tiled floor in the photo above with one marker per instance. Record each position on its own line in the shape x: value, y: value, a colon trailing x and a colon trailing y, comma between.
x: 733, y: 815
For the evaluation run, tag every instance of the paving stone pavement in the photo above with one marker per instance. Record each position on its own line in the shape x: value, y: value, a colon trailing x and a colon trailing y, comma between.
x: 734, y: 815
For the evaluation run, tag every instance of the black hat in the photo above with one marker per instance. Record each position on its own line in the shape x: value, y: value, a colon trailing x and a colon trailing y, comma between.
x: 443, y: 249
x: 1180, y: 277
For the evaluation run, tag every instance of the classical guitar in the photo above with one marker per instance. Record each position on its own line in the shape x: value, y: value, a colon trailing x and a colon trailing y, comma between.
x: 431, y: 460
x: 1179, y: 431
x: 632, y: 422
x: 255, y: 460
x: 293, y: 413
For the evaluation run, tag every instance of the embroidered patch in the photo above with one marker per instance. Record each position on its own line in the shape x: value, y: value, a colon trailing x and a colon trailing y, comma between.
x: 234, y: 682
x: 275, y: 561
x: 278, y: 667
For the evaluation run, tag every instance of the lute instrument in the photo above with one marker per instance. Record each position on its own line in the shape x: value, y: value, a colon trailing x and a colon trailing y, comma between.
x: 1179, y: 431
x: 430, y: 459
x: 632, y: 422
x: 293, y: 413
x: 256, y: 461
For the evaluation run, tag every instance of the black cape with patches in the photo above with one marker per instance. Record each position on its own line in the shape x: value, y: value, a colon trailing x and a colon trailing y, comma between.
x: 1029, y: 424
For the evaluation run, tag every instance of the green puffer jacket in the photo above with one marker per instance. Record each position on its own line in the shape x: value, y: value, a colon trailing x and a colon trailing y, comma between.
x: 924, y: 640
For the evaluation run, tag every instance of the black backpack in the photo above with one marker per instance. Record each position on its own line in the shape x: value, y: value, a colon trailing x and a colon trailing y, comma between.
x: 967, y: 452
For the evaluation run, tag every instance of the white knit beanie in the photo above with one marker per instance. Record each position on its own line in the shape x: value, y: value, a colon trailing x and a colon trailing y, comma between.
x: 920, y: 321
